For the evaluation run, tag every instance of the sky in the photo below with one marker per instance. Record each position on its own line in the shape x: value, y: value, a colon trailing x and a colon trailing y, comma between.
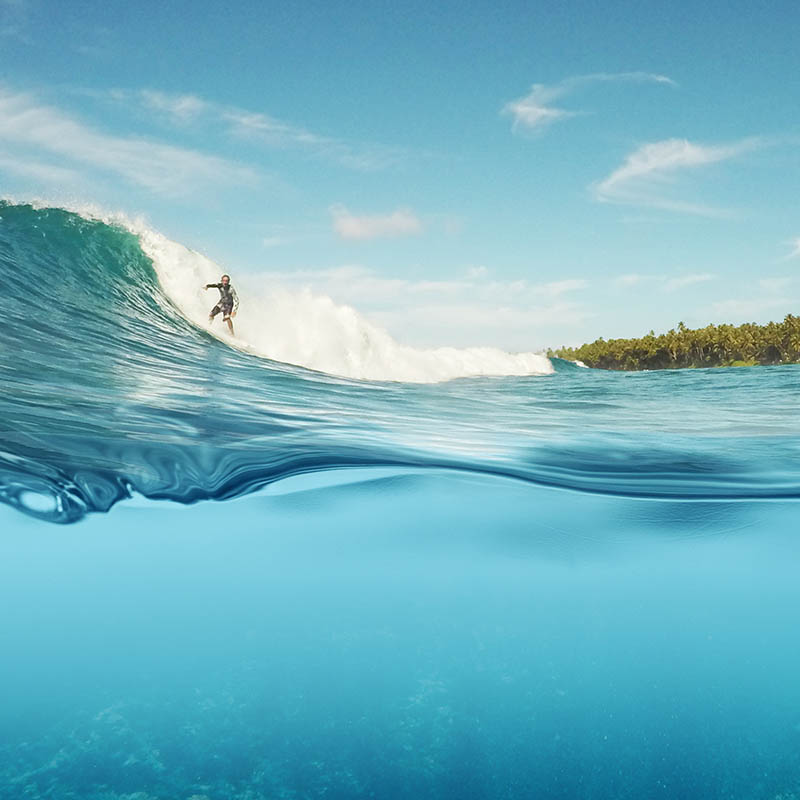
x: 511, y: 174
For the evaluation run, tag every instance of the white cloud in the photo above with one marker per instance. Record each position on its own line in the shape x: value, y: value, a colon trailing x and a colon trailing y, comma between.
x: 39, y: 171
x: 402, y: 222
x: 182, y: 107
x: 528, y: 112
x: 29, y: 127
x: 361, y: 286
x: 795, y: 251
x: 682, y: 281
x: 189, y: 109
x: 467, y: 309
x: 476, y: 323
x: 641, y: 178
x: 535, y: 112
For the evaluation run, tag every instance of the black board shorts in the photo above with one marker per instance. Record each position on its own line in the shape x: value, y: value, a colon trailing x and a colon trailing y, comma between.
x: 225, y: 308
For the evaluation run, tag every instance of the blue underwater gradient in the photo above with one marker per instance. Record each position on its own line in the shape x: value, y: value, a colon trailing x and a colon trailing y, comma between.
x: 581, y: 585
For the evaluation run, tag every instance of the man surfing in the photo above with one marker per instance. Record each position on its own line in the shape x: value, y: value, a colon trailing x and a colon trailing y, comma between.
x: 228, y: 301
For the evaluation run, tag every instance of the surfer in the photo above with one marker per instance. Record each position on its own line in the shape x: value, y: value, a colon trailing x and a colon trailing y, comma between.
x: 228, y: 301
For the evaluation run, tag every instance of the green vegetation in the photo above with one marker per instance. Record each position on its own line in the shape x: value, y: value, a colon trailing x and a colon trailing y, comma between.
x: 712, y: 346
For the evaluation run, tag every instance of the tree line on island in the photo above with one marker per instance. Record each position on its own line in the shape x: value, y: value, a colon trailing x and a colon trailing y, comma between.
x: 713, y: 346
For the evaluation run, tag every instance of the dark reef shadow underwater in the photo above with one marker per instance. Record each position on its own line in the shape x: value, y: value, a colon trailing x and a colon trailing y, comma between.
x: 223, y: 577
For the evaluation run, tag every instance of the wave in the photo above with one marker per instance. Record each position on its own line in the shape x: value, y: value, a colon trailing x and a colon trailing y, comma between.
x: 309, y: 330
x: 299, y: 328
x: 112, y: 386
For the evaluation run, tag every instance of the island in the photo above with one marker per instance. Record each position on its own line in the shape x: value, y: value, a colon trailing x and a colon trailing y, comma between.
x: 749, y: 344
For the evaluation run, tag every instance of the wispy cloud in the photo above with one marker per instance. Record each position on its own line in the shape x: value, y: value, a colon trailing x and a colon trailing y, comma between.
x: 466, y: 309
x: 775, y: 284
x: 182, y: 108
x: 193, y: 110
x: 749, y: 309
x: 402, y: 222
x: 666, y: 283
x: 795, y: 249
x: 475, y: 323
x: 629, y: 280
x: 535, y: 111
x: 364, y: 286
x: 39, y: 171
x: 30, y: 129
x: 557, y: 288
x: 682, y: 281
x: 645, y: 172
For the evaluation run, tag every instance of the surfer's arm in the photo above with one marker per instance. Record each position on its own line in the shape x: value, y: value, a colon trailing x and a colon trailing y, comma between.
x: 235, y: 300
x: 212, y: 286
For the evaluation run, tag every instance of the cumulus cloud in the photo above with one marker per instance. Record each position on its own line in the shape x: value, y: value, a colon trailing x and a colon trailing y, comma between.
x: 641, y: 178
x: 402, y: 222
x: 535, y: 111
x: 29, y: 129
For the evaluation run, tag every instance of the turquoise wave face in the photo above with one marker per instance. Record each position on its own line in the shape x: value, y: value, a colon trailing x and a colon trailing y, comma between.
x: 108, y: 391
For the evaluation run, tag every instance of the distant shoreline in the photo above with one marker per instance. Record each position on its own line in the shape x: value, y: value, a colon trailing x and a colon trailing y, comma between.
x: 747, y: 345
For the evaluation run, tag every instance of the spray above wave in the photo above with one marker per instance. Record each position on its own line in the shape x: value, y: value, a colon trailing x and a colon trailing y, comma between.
x: 312, y: 331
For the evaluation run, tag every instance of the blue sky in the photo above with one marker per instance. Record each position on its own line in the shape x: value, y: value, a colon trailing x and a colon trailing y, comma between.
x: 505, y: 174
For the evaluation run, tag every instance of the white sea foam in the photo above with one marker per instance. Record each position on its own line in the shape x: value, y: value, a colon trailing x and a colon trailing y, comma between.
x: 299, y: 327
x: 306, y: 329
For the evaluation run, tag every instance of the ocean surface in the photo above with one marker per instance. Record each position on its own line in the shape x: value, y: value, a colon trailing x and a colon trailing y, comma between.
x: 311, y: 562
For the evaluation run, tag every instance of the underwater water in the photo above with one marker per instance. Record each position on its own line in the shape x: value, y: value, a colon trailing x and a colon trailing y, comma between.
x: 384, y: 572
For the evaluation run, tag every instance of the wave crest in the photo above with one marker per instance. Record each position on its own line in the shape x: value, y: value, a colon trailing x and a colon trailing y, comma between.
x: 309, y: 330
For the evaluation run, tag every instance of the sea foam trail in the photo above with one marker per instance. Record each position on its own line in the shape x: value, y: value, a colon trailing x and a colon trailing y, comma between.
x: 309, y: 330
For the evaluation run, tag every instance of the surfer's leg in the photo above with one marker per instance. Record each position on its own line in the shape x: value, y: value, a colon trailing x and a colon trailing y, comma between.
x: 226, y: 315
